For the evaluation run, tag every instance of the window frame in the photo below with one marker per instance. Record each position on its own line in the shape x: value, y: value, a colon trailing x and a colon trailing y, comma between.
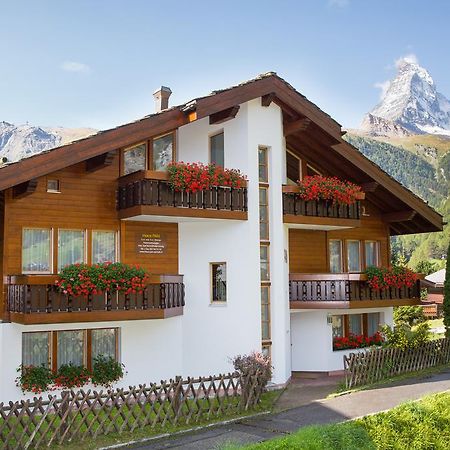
x: 377, y: 252
x: 53, y: 191
x: 341, y: 246
x: 363, y: 319
x: 51, y: 252
x: 264, y: 187
x: 126, y: 149
x: 210, y: 137
x: 265, y: 164
x: 87, y: 236
x: 347, y: 256
x: 150, y: 165
x: 268, y: 319
x: 266, y: 245
x: 116, y: 244
x: 211, y: 282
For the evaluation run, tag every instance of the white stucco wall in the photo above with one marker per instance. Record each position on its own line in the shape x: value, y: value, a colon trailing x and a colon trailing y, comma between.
x: 312, y: 339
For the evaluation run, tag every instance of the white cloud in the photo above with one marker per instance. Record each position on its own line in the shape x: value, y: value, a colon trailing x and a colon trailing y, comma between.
x: 411, y: 58
x: 339, y: 3
x: 72, y: 66
x: 384, y: 86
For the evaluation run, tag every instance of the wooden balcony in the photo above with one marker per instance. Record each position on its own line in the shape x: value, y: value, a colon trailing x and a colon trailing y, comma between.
x: 148, y: 193
x: 33, y: 299
x: 319, y: 213
x: 345, y: 291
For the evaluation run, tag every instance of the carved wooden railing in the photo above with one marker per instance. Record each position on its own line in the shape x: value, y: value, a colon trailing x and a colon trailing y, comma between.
x: 343, y: 287
x: 296, y: 206
x: 38, y: 294
x: 148, y: 188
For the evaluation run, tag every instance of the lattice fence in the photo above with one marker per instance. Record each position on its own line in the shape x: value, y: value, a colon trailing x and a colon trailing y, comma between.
x: 376, y: 364
x: 79, y: 415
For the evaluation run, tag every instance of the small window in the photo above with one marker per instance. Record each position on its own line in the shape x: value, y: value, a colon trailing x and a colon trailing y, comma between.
x: 263, y: 213
x: 219, y: 282
x: 264, y: 262
x: 371, y: 250
x: 36, y: 349
x: 263, y: 165
x: 135, y: 159
x: 163, y: 151
x: 335, y: 250
x: 53, y: 186
x: 337, y: 325
x: 71, y: 247
x: 36, y: 250
x: 217, y: 147
x: 265, y: 312
x: 104, y: 343
x: 104, y: 247
x: 353, y: 256
x: 373, y: 323
x: 70, y: 348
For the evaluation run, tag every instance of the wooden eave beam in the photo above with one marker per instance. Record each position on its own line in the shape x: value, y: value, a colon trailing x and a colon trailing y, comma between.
x: 370, y: 186
x: 267, y: 99
x: 297, y: 126
x: 399, y: 216
x: 224, y: 115
x: 100, y: 161
x: 24, y: 189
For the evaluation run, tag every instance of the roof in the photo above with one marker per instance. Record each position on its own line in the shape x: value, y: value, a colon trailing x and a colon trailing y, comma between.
x: 391, y: 194
x: 438, y: 278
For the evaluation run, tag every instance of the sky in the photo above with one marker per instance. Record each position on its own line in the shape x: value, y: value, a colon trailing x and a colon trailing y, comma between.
x: 96, y: 63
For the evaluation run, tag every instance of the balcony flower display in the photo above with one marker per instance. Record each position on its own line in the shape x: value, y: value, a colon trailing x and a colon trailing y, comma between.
x: 333, y: 189
x: 357, y: 341
x: 194, y: 177
x: 398, y: 277
x: 84, y: 279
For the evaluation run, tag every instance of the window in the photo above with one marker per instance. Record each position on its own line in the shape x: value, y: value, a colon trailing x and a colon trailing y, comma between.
x: 53, y: 186
x: 292, y: 168
x: 337, y: 324
x: 373, y: 323
x: 264, y: 262
x: 36, y: 349
x: 353, y: 256
x: 263, y: 213
x: 71, y: 247
x: 371, y: 251
x: 36, y: 250
x: 265, y: 312
x: 135, y: 159
x: 162, y: 151
x: 104, y: 247
x: 219, y: 282
x: 263, y: 165
x: 355, y: 324
x: 217, y: 151
x: 335, y: 250
x: 69, y: 347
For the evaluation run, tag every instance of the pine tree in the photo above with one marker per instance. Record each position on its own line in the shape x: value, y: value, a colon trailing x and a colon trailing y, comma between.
x: 447, y: 296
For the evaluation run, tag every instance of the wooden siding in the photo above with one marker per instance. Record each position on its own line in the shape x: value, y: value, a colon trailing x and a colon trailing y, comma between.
x: 87, y: 201
x: 308, y: 249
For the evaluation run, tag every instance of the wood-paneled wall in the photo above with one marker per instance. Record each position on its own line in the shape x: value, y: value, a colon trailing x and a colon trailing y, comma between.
x: 308, y: 249
x: 87, y: 201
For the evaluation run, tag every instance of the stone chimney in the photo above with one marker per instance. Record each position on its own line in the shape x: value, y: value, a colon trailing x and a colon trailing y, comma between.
x: 161, y: 97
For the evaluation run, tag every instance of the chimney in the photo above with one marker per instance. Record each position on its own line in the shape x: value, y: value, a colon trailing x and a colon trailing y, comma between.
x: 161, y: 97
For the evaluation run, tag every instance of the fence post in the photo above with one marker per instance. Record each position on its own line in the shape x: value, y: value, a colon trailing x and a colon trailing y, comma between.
x: 63, y: 414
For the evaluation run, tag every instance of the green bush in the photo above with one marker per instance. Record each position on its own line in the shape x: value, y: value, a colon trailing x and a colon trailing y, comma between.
x: 34, y: 379
x: 403, y: 336
x: 426, y: 267
x: 410, y: 315
x: 106, y: 371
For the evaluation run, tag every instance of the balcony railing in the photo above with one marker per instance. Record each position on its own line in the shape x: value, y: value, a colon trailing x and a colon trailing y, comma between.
x: 341, y: 290
x: 151, y: 189
x: 296, y: 206
x: 36, y: 299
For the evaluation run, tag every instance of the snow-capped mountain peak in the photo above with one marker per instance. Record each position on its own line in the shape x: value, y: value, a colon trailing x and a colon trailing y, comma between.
x: 412, y: 102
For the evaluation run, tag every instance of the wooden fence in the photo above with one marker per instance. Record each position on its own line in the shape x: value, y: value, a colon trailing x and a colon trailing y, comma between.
x: 79, y: 415
x: 376, y: 364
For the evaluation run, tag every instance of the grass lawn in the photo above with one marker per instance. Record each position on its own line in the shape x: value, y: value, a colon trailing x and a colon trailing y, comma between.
x: 421, y: 425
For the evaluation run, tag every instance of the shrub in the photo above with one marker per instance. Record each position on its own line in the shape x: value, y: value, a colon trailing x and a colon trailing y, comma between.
x: 357, y: 341
x: 84, y: 279
x: 194, y: 177
x: 69, y: 376
x: 34, y: 379
x: 446, y: 306
x: 106, y: 371
x: 395, y: 277
x: 252, y: 363
x: 318, y: 187
x: 403, y: 336
x: 410, y: 315
x: 425, y: 267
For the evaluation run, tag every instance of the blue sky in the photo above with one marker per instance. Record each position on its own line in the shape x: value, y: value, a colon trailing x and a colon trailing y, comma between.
x: 95, y: 63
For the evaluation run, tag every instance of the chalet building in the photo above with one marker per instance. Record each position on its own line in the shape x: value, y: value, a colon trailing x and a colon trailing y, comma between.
x: 232, y: 270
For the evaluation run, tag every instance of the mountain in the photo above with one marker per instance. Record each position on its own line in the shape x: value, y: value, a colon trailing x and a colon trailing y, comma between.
x: 411, y: 104
x: 22, y: 141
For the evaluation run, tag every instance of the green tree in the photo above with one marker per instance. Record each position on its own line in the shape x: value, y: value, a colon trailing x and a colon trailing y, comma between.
x: 425, y: 267
x: 447, y: 295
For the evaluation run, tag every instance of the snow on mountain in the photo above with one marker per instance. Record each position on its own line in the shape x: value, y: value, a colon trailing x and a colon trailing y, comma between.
x: 22, y: 141
x: 411, y: 104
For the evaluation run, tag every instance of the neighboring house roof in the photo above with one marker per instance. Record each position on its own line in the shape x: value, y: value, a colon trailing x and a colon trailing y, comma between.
x: 385, y: 192
x: 437, y: 278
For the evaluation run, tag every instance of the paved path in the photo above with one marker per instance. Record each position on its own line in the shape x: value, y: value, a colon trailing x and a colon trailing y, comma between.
x: 316, y: 412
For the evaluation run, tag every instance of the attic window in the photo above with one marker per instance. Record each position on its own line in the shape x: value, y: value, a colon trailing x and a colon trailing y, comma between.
x: 53, y: 186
